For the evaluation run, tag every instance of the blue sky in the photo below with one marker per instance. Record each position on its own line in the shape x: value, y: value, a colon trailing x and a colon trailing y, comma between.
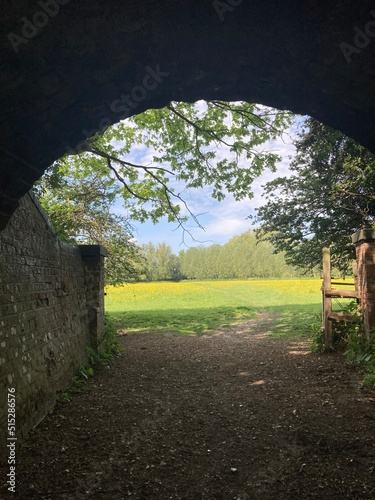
x: 221, y: 220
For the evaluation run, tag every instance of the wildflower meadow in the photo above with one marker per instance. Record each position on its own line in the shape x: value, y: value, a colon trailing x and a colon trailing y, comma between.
x: 198, y: 307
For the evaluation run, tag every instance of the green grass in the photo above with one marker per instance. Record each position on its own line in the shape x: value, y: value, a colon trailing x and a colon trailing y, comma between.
x: 197, y: 307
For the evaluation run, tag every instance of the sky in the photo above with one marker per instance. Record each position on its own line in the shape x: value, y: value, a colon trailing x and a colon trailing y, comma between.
x: 221, y: 220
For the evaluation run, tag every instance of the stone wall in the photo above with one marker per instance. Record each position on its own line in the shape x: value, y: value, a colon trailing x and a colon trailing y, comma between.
x: 51, y: 309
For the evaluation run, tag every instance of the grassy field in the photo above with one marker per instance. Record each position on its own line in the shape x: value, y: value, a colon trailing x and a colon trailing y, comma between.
x: 196, y: 307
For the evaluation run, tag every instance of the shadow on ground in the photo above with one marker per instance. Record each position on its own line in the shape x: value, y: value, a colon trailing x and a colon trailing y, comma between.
x: 289, y: 321
x: 234, y: 414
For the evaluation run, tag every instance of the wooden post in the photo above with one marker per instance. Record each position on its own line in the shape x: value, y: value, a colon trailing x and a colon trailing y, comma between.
x: 356, y: 280
x: 364, y: 241
x: 327, y: 301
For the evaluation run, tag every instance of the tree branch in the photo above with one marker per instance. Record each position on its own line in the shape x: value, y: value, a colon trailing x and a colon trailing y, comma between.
x: 126, y: 163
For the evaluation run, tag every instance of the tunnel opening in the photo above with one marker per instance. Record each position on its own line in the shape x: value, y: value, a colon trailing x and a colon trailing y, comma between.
x: 70, y: 70
x: 85, y: 66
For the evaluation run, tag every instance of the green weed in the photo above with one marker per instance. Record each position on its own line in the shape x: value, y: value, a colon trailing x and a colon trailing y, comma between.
x: 109, y: 348
x: 350, y: 337
x: 361, y: 352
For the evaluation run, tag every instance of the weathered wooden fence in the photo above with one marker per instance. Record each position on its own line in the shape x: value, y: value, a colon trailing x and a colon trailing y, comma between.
x: 329, y: 293
x: 364, y: 241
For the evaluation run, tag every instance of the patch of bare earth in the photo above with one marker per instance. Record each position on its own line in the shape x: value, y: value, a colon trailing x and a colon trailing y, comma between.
x: 230, y: 415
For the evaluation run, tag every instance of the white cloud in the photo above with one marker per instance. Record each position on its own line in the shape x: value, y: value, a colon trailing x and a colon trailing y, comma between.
x: 226, y: 227
x: 221, y: 220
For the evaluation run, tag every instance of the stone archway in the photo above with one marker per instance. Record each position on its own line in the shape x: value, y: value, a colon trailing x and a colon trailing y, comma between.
x: 71, y: 68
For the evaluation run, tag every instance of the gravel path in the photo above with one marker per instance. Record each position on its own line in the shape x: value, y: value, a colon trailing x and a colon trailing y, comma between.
x: 232, y: 415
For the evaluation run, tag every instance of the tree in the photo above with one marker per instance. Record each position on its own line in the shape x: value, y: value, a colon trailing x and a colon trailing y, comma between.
x: 79, y: 200
x: 192, y: 262
x: 150, y: 263
x: 242, y: 257
x: 211, y: 143
x: 160, y: 263
x: 329, y: 196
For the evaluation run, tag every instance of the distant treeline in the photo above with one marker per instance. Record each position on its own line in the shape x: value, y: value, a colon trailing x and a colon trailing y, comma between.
x: 242, y: 257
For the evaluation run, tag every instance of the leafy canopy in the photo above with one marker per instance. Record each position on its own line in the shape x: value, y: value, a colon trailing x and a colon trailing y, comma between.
x: 329, y: 196
x: 242, y: 257
x: 192, y: 145
x: 212, y: 143
x: 78, y: 197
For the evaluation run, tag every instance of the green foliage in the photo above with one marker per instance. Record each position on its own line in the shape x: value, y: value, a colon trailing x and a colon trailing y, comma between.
x: 329, y: 197
x: 350, y: 336
x: 208, y: 143
x: 78, y: 383
x: 361, y: 352
x: 110, y: 347
x: 160, y: 264
x: 211, y: 143
x: 108, y: 350
x: 188, y: 141
x: 341, y: 330
x: 317, y: 344
x: 86, y: 372
x: 78, y: 197
x: 369, y: 380
x: 242, y: 257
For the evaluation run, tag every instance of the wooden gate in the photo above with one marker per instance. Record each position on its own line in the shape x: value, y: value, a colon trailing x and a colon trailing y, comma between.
x: 328, y: 293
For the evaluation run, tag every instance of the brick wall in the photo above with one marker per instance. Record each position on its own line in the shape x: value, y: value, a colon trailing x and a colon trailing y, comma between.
x: 364, y: 241
x: 93, y: 264
x: 51, y: 309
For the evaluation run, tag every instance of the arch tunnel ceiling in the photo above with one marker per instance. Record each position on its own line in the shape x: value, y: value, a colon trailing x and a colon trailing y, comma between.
x: 70, y: 67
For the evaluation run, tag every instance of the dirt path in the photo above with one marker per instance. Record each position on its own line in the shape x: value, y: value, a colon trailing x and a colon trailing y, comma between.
x: 232, y: 415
